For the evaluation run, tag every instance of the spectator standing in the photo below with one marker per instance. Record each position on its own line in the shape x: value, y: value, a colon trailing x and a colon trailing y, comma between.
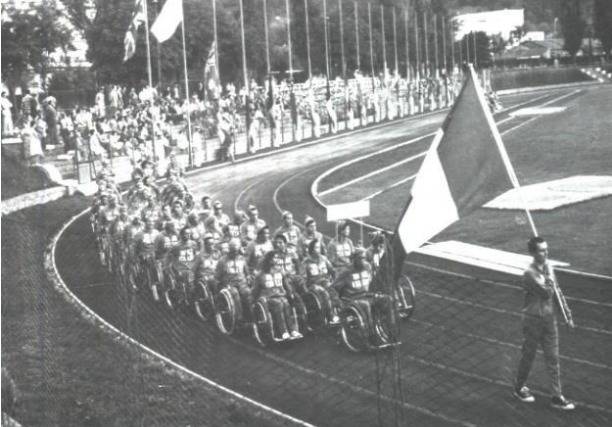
x: 100, y: 103
x: 29, y: 106
x: 40, y: 126
x: 7, y: 114
x: 50, y: 114
x: 32, y: 149
x: 67, y: 131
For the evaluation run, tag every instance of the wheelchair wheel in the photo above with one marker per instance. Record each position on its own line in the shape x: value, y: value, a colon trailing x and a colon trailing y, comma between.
x: 383, y: 322
x: 315, y: 315
x: 406, y: 297
x: 354, y: 329
x: 263, y: 328
x: 152, y: 284
x: 171, y: 294
x: 203, y: 302
x: 225, y: 313
x: 301, y: 313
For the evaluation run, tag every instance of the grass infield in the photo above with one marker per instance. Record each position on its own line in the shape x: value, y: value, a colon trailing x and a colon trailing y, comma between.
x: 573, y: 142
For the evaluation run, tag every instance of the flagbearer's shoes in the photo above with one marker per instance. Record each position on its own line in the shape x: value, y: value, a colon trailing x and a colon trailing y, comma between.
x: 524, y: 395
x: 560, y: 402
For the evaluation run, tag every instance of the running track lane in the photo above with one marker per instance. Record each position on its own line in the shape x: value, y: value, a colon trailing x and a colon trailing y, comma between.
x: 319, y: 381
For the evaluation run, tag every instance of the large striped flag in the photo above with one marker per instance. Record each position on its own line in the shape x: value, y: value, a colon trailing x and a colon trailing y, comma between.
x: 139, y: 15
x: 168, y: 20
x: 466, y: 166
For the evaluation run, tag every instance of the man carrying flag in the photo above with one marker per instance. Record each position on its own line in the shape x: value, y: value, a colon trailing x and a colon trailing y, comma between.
x: 138, y: 17
x: 466, y: 166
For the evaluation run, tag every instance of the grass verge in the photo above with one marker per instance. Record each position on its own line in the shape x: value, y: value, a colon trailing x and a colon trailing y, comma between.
x: 68, y: 372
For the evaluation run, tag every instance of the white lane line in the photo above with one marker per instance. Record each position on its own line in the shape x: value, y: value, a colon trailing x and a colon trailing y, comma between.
x: 508, y: 344
x: 539, y: 106
x: 504, y: 384
x: 503, y: 311
x: 508, y: 286
x: 373, y: 173
x: 384, y: 150
x: 332, y: 379
x: 315, y: 184
x: 395, y: 184
x: 243, y: 192
x: 87, y: 312
x: 494, y: 283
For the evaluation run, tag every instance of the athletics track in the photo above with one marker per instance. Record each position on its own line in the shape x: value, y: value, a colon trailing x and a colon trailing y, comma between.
x: 459, y: 351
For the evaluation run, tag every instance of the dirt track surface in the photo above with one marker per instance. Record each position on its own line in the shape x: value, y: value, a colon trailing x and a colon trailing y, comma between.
x: 459, y: 351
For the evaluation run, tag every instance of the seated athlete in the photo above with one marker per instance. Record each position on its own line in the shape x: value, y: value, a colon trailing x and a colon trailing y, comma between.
x: 181, y: 260
x: 206, y: 264
x: 289, y: 229
x: 310, y: 233
x: 217, y: 220
x: 340, y: 249
x: 250, y: 228
x: 376, y: 250
x: 271, y: 284
x: 144, y: 246
x: 233, y: 273
x: 178, y: 214
x: 320, y: 273
x: 256, y: 250
x: 166, y: 240
x: 354, y: 284
x: 205, y: 208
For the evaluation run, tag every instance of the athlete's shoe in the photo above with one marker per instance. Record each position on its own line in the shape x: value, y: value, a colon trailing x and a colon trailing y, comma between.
x: 296, y: 334
x: 560, y: 402
x: 286, y: 336
x: 524, y: 395
x: 335, y: 320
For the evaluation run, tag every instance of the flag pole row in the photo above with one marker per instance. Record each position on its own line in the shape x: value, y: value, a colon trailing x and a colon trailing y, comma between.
x: 168, y: 19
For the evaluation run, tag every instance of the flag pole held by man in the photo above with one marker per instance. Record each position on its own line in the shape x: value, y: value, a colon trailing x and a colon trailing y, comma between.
x: 467, y: 166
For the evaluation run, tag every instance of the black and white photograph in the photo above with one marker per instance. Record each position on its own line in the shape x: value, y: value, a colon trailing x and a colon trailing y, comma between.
x: 299, y: 213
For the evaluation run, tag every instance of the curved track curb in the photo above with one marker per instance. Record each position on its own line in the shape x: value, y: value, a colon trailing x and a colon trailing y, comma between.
x: 150, y: 355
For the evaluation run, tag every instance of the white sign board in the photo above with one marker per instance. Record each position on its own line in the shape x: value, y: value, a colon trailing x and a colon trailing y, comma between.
x: 359, y: 209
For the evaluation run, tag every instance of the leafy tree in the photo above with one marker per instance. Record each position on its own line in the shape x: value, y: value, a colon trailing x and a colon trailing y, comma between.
x: 573, y: 26
x: 603, y: 24
x: 28, y: 39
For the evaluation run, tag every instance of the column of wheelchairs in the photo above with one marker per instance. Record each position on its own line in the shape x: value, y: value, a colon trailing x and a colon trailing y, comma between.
x: 233, y: 274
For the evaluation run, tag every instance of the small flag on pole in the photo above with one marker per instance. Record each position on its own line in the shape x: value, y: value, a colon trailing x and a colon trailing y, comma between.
x: 168, y: 20
x: 138, y: 17
x: 466, y: 166
x: 211, y: 74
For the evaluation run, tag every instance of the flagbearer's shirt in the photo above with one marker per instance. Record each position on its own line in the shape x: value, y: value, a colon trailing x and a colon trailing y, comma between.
x: 352, y: 282
x: 538, y: 282
x: 340, y: 254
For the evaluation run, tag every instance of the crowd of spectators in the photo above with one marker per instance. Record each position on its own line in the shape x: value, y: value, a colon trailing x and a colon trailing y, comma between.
x: 151, y: 123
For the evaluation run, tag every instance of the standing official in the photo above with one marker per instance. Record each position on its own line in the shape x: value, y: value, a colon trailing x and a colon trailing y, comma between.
x: 543, y: 298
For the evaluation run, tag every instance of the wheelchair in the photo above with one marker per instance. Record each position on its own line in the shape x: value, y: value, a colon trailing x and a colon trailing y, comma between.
x: 359, y: 332
x: 178, y: 289
x: 228, y: 310
x: 203, y: 300
x: 146, y: 271
x: 319, y: 309
x: 405, y: 297
x: 104, y: 249
x: 264, y: 328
